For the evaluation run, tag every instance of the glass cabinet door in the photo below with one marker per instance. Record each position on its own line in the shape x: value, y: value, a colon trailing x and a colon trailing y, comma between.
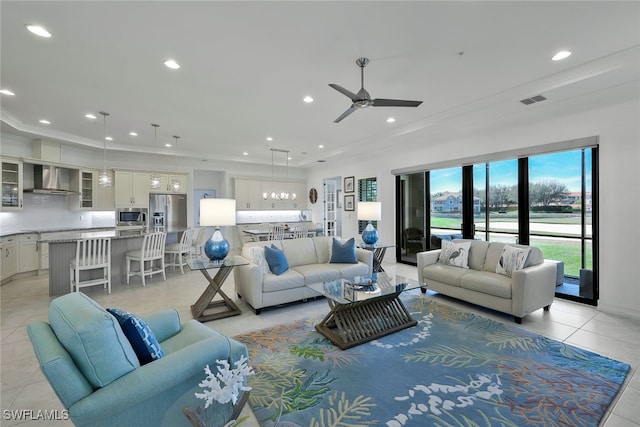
x: 11, y: 185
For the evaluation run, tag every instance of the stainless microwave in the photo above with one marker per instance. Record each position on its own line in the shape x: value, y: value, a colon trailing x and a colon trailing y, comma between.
x: 132, y: 217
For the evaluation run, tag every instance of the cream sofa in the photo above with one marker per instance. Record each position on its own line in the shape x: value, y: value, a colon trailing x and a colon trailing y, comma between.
x: 308, y: 260
x: 529, y: 289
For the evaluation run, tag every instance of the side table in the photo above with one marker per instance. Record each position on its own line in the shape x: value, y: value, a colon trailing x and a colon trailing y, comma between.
x: 378, y: 249
x: 205, y: 308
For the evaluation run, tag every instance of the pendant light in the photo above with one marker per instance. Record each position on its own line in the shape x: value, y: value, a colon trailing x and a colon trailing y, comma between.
x: 104, y: 176
x: 175, y: 182
x: 284, y: 194
x: 154, y: 178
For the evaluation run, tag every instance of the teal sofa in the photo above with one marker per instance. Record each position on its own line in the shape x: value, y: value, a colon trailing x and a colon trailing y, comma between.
x: 95, y: 373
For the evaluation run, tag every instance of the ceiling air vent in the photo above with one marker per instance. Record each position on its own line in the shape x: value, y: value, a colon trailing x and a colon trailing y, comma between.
x: 533, y: 100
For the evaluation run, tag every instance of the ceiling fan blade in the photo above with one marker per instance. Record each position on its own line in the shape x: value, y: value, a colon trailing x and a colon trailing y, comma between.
x: 394, y: 103
x: 345, y: 114
x: 345, y: 92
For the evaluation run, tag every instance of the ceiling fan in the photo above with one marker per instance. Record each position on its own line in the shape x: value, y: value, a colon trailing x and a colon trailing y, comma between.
x: 362, y: 99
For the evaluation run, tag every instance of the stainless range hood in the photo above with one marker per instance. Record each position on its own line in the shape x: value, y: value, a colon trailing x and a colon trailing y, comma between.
x: 50, y: 179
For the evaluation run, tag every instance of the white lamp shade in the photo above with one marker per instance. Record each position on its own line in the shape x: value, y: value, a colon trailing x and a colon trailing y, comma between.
x: 217, y: 212
x: 369, y: 211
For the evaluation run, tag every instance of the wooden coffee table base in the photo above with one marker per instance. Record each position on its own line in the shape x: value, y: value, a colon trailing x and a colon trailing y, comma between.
x: 348, y: 325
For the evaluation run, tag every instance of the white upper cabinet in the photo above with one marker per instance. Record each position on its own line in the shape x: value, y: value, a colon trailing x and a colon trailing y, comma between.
x: 11, y: 185
x: 131, y: 189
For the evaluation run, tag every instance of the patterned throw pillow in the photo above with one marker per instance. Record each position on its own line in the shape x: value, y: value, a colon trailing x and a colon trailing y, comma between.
x: 276, y: 259
x: 257, y: 257
x: 456, y: 254
x: 511, y: 259
x: 139, y: 334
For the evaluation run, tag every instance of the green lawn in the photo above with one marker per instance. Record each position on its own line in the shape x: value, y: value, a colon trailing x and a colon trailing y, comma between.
x: 563, y: 250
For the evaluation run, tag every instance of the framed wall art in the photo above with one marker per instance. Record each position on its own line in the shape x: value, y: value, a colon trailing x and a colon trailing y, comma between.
x: 349, y: 184
x: 350, y: 202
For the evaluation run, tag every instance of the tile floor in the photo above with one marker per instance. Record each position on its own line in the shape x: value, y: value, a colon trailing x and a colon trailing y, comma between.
x: 25, y: 300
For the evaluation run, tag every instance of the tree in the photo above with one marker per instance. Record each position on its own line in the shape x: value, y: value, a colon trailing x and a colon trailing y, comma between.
x: 545, y: 193
x: 501, y: 196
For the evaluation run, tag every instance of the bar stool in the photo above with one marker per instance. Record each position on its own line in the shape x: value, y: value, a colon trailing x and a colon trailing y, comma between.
x: 91, y: 254
x: 152, y: 250
x: 178, y: 251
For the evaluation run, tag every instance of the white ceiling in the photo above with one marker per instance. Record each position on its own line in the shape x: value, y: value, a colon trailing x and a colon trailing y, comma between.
x: 247, y: 65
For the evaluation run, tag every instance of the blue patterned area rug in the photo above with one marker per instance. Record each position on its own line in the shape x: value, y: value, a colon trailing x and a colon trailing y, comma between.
x: 452, y: 369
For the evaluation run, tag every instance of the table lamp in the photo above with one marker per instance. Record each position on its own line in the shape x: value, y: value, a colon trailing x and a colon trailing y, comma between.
x: 218, y: 213
x: 369, y: 211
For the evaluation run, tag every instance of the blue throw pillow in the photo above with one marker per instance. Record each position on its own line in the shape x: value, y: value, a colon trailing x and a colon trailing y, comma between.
x: 344, y: 253
x: 276, y: 259
x: 144, y: 343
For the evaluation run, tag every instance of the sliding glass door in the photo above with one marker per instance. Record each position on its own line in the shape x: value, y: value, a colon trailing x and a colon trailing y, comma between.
x: 561, y: 216
x: 411, y: 217
x: 548, y: 201
x: 446, y: 205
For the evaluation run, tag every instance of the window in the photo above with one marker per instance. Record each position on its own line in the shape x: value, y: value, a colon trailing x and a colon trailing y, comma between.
x: 367, y: 192
x: 545, y: 200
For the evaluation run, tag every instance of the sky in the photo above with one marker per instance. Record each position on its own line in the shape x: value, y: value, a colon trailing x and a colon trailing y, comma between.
x: 564, y: 167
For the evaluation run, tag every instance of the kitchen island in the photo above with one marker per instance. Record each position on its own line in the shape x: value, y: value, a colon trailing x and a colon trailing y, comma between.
x: 62, y: 248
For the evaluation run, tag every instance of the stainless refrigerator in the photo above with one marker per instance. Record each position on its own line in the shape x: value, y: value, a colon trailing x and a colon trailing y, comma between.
x: 168, y: 212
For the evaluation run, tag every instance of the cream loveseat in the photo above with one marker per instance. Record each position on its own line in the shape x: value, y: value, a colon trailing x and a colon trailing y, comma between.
x: 308, y: 260
x: 524, y: 291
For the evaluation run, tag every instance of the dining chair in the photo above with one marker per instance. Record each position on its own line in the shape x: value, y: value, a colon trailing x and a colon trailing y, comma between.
x: 178, y: 251
x: 276, y: 232
x: 151, y: 252
x: 300, y: 231
x: 91, y: 254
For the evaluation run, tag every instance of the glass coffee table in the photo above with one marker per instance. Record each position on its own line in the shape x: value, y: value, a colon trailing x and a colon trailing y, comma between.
x: 364, y: 309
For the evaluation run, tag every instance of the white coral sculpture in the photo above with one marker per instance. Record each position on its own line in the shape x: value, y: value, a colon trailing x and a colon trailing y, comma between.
x: 226, y: 384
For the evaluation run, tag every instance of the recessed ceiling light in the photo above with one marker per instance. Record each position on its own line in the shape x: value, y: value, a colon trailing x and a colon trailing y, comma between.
x: 45, y: 122
x: 245, y: 154
x: 391, y: 120
x: 170, y: 63
x: 108, y: 138
x: 561, y: 55
x: 38, y: 30
x: 320, y: 146
x: 133, y: 134
x: 7, y: 92
x: 269, y: 138
x: 90, y: 116
x: 167, y: 145
x: 307, y: 99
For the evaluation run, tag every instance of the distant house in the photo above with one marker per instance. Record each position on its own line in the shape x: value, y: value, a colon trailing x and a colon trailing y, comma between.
x: 451, y: 202
x: 575, y: 196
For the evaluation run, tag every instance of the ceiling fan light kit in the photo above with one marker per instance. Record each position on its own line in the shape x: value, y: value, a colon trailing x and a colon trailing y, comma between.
x: 362, y: 99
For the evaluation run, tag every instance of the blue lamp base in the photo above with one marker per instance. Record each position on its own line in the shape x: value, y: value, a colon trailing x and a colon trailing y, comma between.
x: 216, y: 248
x: 370, y: 234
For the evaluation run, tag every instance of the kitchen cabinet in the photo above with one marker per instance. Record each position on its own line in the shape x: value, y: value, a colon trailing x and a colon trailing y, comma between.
x: 85, y: 182
x: 300, y: 190
x: 43, y: 250
x: 28, y: 253
x: 8, y: 257
x: 166, y: 184
x: 104, y: 197
x: 131, y: 189
x: 11, y: 185
x: 93, y: 196
x: 248, y: 194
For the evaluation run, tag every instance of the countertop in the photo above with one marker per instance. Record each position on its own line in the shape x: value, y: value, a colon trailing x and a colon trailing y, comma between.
x: 57, y: 235
x: 51, y: 230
